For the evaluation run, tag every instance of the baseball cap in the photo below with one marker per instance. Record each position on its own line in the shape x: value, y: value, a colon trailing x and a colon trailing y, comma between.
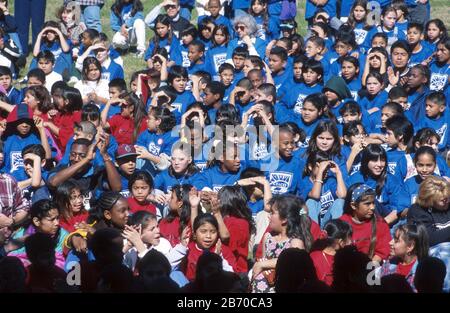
x: 125, y: 150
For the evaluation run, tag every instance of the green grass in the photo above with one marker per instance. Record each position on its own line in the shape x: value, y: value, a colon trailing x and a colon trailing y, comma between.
x: 440, y: 9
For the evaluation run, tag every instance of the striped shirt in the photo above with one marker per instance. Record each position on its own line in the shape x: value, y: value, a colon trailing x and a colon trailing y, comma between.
x: 11, y: 200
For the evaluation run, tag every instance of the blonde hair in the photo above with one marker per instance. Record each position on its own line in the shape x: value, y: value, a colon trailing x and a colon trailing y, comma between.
x: 431, y: 189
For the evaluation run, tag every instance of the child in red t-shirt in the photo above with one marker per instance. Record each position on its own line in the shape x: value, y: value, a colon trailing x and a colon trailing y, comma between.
x: 371, y: 233
x: 179, y: 213
x: 69, y: 200
x: 131, y: 121
x: 205, y: 239
x: 140, y: 186
x: 335, y: 235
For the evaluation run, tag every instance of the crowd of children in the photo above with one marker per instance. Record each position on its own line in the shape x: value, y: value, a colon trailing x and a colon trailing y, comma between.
x: 243, y: 157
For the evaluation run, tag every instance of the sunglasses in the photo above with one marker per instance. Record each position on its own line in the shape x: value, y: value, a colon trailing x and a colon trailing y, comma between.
x: 239, y: 27
x: 170, y: 6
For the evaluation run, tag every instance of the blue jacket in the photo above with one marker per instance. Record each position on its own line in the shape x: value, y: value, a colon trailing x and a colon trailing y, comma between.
x: 124, y: 18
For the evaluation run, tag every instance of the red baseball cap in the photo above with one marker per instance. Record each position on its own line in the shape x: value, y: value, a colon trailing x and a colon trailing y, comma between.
x: 125, y: 150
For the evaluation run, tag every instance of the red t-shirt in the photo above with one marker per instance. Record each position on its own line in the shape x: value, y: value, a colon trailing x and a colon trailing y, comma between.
x: 65, y: 122
x: 135, y: 206
x: 69, y: 225
x: 404, y: 270
x: 323, y: 263
x: 239, y: 230
x: 362, y: 234
x: 170, y: 230
x: 195, y: 252
x: 122, y: 128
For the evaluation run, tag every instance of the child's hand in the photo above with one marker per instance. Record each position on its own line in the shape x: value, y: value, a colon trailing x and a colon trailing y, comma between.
x: 143, y: 152
x: 124, y: 31
x: 52, y: 113
x: 393, y: 77
x: 161, y: 198
x: 85, y: 226
x: 134, y: 237
x: 218, y: 249
x: 103, y: 143
x: 185, y: 236
x: 334, y: 168
x: 38, y: 122
x: 257, y: 269
x: 79, y: 244
x: 162, y: 58
x: 194, y: 197
x: 5, y: 221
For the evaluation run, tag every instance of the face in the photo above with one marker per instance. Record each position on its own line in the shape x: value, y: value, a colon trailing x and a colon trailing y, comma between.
x: 219, y: 37
x: 151, y: 234
x: 389, y: 19
x: 286, y: 145
x: 23, y: 128
x: 114, y: 92
x: 209, y: 98
x: 425, y: 165
x: 30, y: 100
x: 206, y: 236
x: 101, y: 54
x: 379, y: 42
x: 196, y: 138
x: 276, y: 222
x: 49, y: 224
x: 172, y: 9
x: 51, y: 36
x: 241, y: 30
x: 433, y: 32
x: 276, y: 64
x: 415, y: 78
x: 441, y: 203
x: 325, y: 141
x: 351, y: 116
x: 127, y: 164
x: 179, y: 84
x: 45, y: 65
x: 342, y: 49
x: 312, y: 49
x: 208, y: 31
x: 258, y: 96
x: 364, y: 209
x: 432, y: 143
x: 214, y: 7
x: 258, y: 8
x: 442, y: 53
x: 187, y: 39
x: 93, y: 72
x: 238, y: 62
x: 310, y: 77
x: 66, y: 16
x: 359, y: 13
x: 152, y: 122
x: 140, y: 190
x: 255, y: 79
x: 391, y: 140
x: 309, y: 112
x: 298, y: 70
x: 375, y: 62
x: 28, y: 164
x: 231, y: 162
x: 357, y: 138
x: 86, y: 40
x: 194, y: 53
x: 385, y: 114
x: 413, y: 36
x: 433, y: 109
x: 331, y: 96
x: 5, y: 81
x: 77, y: 153
x: 34, y: 81
x: 399, y: 247
x: 376, y: 167
x: 373, y: 86
x: 227, y: 77
x: 134, y: 85
x: 175, y: 203
x: 399, y: 57
x: 162, y: 30
x: 349, y: 70
x: 118, y: 214
x: 76, y: 201
x: 403, y: 101
x: 180, y: 161
x: 248, y: 66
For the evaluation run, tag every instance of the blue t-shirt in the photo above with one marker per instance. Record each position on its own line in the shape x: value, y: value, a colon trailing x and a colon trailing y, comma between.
x: 214, y: 178
x: 393, y: 156
x: 113, y: 71
x: 412, y: 188
x: 293, y: 94
x: 440, y: 125
x: 406, y: 168
x: 14, y: 96
x: 439, y: 76
x: 214, y: 58
x: 172, y: 48
x: 422, y: 55
x: 377, y: 101
x: 327, y: 195
x: 164, y: 181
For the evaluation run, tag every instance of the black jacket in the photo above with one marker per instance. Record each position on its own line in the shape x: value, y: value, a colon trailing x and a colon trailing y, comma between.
x: 436, y: 222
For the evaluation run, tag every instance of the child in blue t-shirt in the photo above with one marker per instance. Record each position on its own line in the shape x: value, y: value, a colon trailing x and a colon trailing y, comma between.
x: 437, y: 117
x: 388, y: 27
x: 267, y: 24
x: 12, y: 93
x: 178, y: 78
x: 350, y: 73
x: 294, y: 92
x: 402, y: 14
x: 358, y: 20
x: 440, y: 68
x: 376, y: 95
x: 226, y: 77
x: 277, y: 64
x: 155, y: 144
x: 324, y: 188
x: 419, y: 51
x: 435, y: 31
x: 217, y: 54
x: 187, y: 35
x: 399, y: 135
x: 257, y: 190
x: 214, y: 7
x: 314, y: 109
x: 196, y: 55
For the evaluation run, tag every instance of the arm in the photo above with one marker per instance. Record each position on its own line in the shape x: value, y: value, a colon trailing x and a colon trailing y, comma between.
x: 52, y: 127
x: 195, y: 87
x: 43, y: 136
x: 316, y: 190
x: 37, y: 45
x: 24, y: 183
x: 223, y: 230
x: 6, y: 106
x: 115, y: 22
x: 151, y: 16
x: 366, y: 72
x: 62, y: 40
x: 111, y: 172
x: 194, y: 200
x: 356, y: 148
x: 341, y: 190
x: 269, y: 78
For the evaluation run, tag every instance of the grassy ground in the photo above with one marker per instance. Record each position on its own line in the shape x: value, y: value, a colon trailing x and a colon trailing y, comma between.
x: 440, y: 9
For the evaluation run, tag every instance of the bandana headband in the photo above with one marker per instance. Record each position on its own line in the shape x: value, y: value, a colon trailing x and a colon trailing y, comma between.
x: 356, y: 194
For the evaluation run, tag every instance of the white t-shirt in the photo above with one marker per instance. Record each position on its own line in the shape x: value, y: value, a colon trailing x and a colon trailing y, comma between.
x: 52, y: 78
x: 86, y: 87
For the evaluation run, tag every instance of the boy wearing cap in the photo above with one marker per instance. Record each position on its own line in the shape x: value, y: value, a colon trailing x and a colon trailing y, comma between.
x: 336, y: 91
x: 126, y: 162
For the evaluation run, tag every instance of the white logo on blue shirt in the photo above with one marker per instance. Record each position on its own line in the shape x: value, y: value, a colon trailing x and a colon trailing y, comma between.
x: 441, y: 132
x: 153, y: 148
x: 16, y: 161
x: 219, y: 59
x: 280, y: 182
x: 438, y: 81
x: 299, y: 103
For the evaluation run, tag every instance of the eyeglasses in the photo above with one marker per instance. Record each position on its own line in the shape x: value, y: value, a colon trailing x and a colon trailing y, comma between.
x: 170, y: 6
x: 240, y: 27
x: 79, y: 197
